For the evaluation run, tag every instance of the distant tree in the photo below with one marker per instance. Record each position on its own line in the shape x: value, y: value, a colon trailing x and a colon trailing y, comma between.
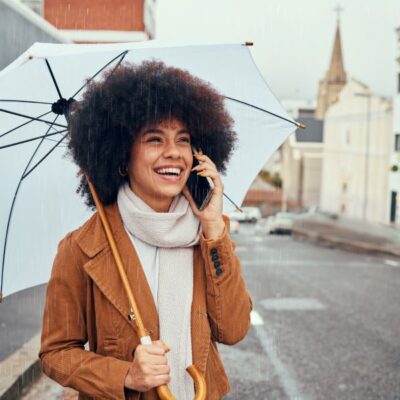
x: 274, y: 180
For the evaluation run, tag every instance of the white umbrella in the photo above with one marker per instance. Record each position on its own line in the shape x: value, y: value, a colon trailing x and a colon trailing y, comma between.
x: 46, y: 206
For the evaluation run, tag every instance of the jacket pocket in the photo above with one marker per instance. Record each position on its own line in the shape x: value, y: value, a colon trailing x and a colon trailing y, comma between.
x: 112, y: 347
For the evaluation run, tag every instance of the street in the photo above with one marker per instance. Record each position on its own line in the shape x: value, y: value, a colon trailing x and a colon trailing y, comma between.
x: 325, y: 325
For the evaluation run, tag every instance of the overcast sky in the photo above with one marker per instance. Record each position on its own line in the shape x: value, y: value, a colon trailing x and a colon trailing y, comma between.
x: 294, y: 38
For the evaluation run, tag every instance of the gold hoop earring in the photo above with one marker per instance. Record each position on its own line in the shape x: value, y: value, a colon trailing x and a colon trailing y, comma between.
x: 123, y: 170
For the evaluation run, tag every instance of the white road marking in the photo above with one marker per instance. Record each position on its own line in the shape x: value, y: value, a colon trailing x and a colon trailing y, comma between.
x: 292, y: 304
x: 286, y: 377
x: 392, y: 263
x: 255, y: 318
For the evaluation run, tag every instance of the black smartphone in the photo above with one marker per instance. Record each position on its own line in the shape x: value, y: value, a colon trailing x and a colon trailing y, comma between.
x: 200, y: 187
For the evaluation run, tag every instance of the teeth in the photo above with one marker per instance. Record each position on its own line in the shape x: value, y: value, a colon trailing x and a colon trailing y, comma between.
x: 175, y: 171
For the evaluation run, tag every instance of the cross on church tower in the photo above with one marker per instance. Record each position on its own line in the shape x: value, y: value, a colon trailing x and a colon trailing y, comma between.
x: 338, y: 10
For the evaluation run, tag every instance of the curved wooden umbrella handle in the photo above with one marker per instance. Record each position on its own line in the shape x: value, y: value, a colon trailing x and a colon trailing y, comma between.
x: 199, y: 384
x: 163, y: 392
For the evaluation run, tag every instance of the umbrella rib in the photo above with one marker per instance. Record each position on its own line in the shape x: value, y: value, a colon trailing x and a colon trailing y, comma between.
x: 53, y: 78
x: 44, y: 157
x: 32, y: 139
x: 264, y: 110
x: 24, y: 101
x: 12, y: 208
x: 32, y: 118
x: 122, y: 56
x: 25, y: 123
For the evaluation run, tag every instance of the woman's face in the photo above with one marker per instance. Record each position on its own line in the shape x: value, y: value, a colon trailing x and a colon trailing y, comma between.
x: 160, y: 163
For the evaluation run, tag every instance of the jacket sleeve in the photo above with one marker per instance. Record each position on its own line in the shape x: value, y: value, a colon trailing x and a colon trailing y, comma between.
x: 64, y: 334
x: 228, y: 302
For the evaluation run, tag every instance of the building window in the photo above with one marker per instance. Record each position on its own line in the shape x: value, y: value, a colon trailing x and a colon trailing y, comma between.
x: 397, y: 142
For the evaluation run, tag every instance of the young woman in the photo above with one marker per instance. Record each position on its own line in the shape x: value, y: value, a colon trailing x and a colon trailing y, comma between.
x: 132, y: 134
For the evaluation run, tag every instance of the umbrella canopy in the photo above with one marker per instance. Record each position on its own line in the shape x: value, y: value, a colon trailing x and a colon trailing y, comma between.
x: 33, y: 92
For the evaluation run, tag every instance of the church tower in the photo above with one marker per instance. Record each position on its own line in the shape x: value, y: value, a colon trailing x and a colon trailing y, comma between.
x: 335, y: 77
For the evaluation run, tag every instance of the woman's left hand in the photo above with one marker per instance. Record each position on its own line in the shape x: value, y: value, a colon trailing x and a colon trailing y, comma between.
x: 210, y: 216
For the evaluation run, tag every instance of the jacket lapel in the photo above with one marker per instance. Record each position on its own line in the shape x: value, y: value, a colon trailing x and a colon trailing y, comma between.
x: 103, y: 270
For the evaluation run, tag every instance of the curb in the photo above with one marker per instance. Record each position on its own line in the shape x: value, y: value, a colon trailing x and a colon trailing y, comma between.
x: 351, y: 245
x: 20, y: 369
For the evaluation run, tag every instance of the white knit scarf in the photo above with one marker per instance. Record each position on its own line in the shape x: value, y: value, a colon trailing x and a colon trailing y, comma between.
x: 174, y: 233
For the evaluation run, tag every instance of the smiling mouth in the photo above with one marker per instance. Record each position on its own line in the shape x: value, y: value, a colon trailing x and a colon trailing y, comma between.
x: 169, y: 171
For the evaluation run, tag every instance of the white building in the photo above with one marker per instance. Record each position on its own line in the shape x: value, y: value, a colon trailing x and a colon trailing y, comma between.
x: 357, y: 151
x: 394, y: 174
x: 302, y: 152
x: 302, y: 165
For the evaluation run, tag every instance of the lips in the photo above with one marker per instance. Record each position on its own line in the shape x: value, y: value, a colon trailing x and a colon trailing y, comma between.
x: 170, y: 173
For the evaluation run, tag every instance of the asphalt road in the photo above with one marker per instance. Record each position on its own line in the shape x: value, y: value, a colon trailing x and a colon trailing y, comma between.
x: 326, y: 324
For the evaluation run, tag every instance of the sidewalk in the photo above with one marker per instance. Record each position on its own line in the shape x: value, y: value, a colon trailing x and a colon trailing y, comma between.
x: 349, y: 234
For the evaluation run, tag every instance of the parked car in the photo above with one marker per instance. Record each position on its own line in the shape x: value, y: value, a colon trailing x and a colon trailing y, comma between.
x: 281, y: 223
x: 248, y: 214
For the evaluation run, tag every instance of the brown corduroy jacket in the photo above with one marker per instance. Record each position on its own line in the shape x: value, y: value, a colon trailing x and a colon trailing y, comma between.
x: 86, y: 302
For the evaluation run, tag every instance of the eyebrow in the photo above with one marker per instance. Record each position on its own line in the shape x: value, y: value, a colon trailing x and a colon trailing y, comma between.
x: 156, y: 130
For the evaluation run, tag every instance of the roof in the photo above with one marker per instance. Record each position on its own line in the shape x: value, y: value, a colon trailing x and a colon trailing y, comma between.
x: 313, y: 133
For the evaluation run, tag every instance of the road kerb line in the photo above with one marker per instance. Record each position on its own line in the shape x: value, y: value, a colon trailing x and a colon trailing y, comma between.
x: 255, y: 318
x: 286, y: 377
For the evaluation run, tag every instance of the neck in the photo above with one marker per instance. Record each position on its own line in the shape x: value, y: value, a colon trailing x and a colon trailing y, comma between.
x: 160, y: 205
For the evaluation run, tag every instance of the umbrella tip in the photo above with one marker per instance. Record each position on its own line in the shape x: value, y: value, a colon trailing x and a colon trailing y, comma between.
x: 248, y: 43
x: 300, y: 125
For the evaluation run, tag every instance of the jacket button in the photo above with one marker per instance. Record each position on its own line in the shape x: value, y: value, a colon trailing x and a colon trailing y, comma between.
x: 219, y: 271
x: 213, y: 251
x: 217, y: 264
x: 214, y: 257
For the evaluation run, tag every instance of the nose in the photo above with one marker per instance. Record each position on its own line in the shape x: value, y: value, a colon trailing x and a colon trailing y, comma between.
x: 171, y: 150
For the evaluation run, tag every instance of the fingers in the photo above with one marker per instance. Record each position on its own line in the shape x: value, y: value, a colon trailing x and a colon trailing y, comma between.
x: 204, y: 158
x: 208, y: 169
x: 162, y: 345
x: 149, y: 368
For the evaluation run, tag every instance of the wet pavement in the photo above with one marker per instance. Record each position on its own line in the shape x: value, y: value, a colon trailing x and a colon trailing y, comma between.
x: 325, y: 325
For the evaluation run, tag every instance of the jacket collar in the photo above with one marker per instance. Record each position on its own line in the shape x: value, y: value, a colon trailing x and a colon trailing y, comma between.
x: 92, y: 239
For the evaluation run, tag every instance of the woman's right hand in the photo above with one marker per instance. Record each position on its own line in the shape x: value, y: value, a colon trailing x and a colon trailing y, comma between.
x: 149, y: 367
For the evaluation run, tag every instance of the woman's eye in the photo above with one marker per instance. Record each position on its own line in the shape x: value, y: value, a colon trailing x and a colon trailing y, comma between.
x: 185, y: 139
x: 154, y: 139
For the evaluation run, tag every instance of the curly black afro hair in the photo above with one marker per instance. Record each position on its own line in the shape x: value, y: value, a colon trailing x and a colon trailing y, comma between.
x: 104, y: 124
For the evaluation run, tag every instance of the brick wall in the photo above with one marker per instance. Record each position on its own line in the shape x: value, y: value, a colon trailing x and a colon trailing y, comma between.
x: 123, y: 15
